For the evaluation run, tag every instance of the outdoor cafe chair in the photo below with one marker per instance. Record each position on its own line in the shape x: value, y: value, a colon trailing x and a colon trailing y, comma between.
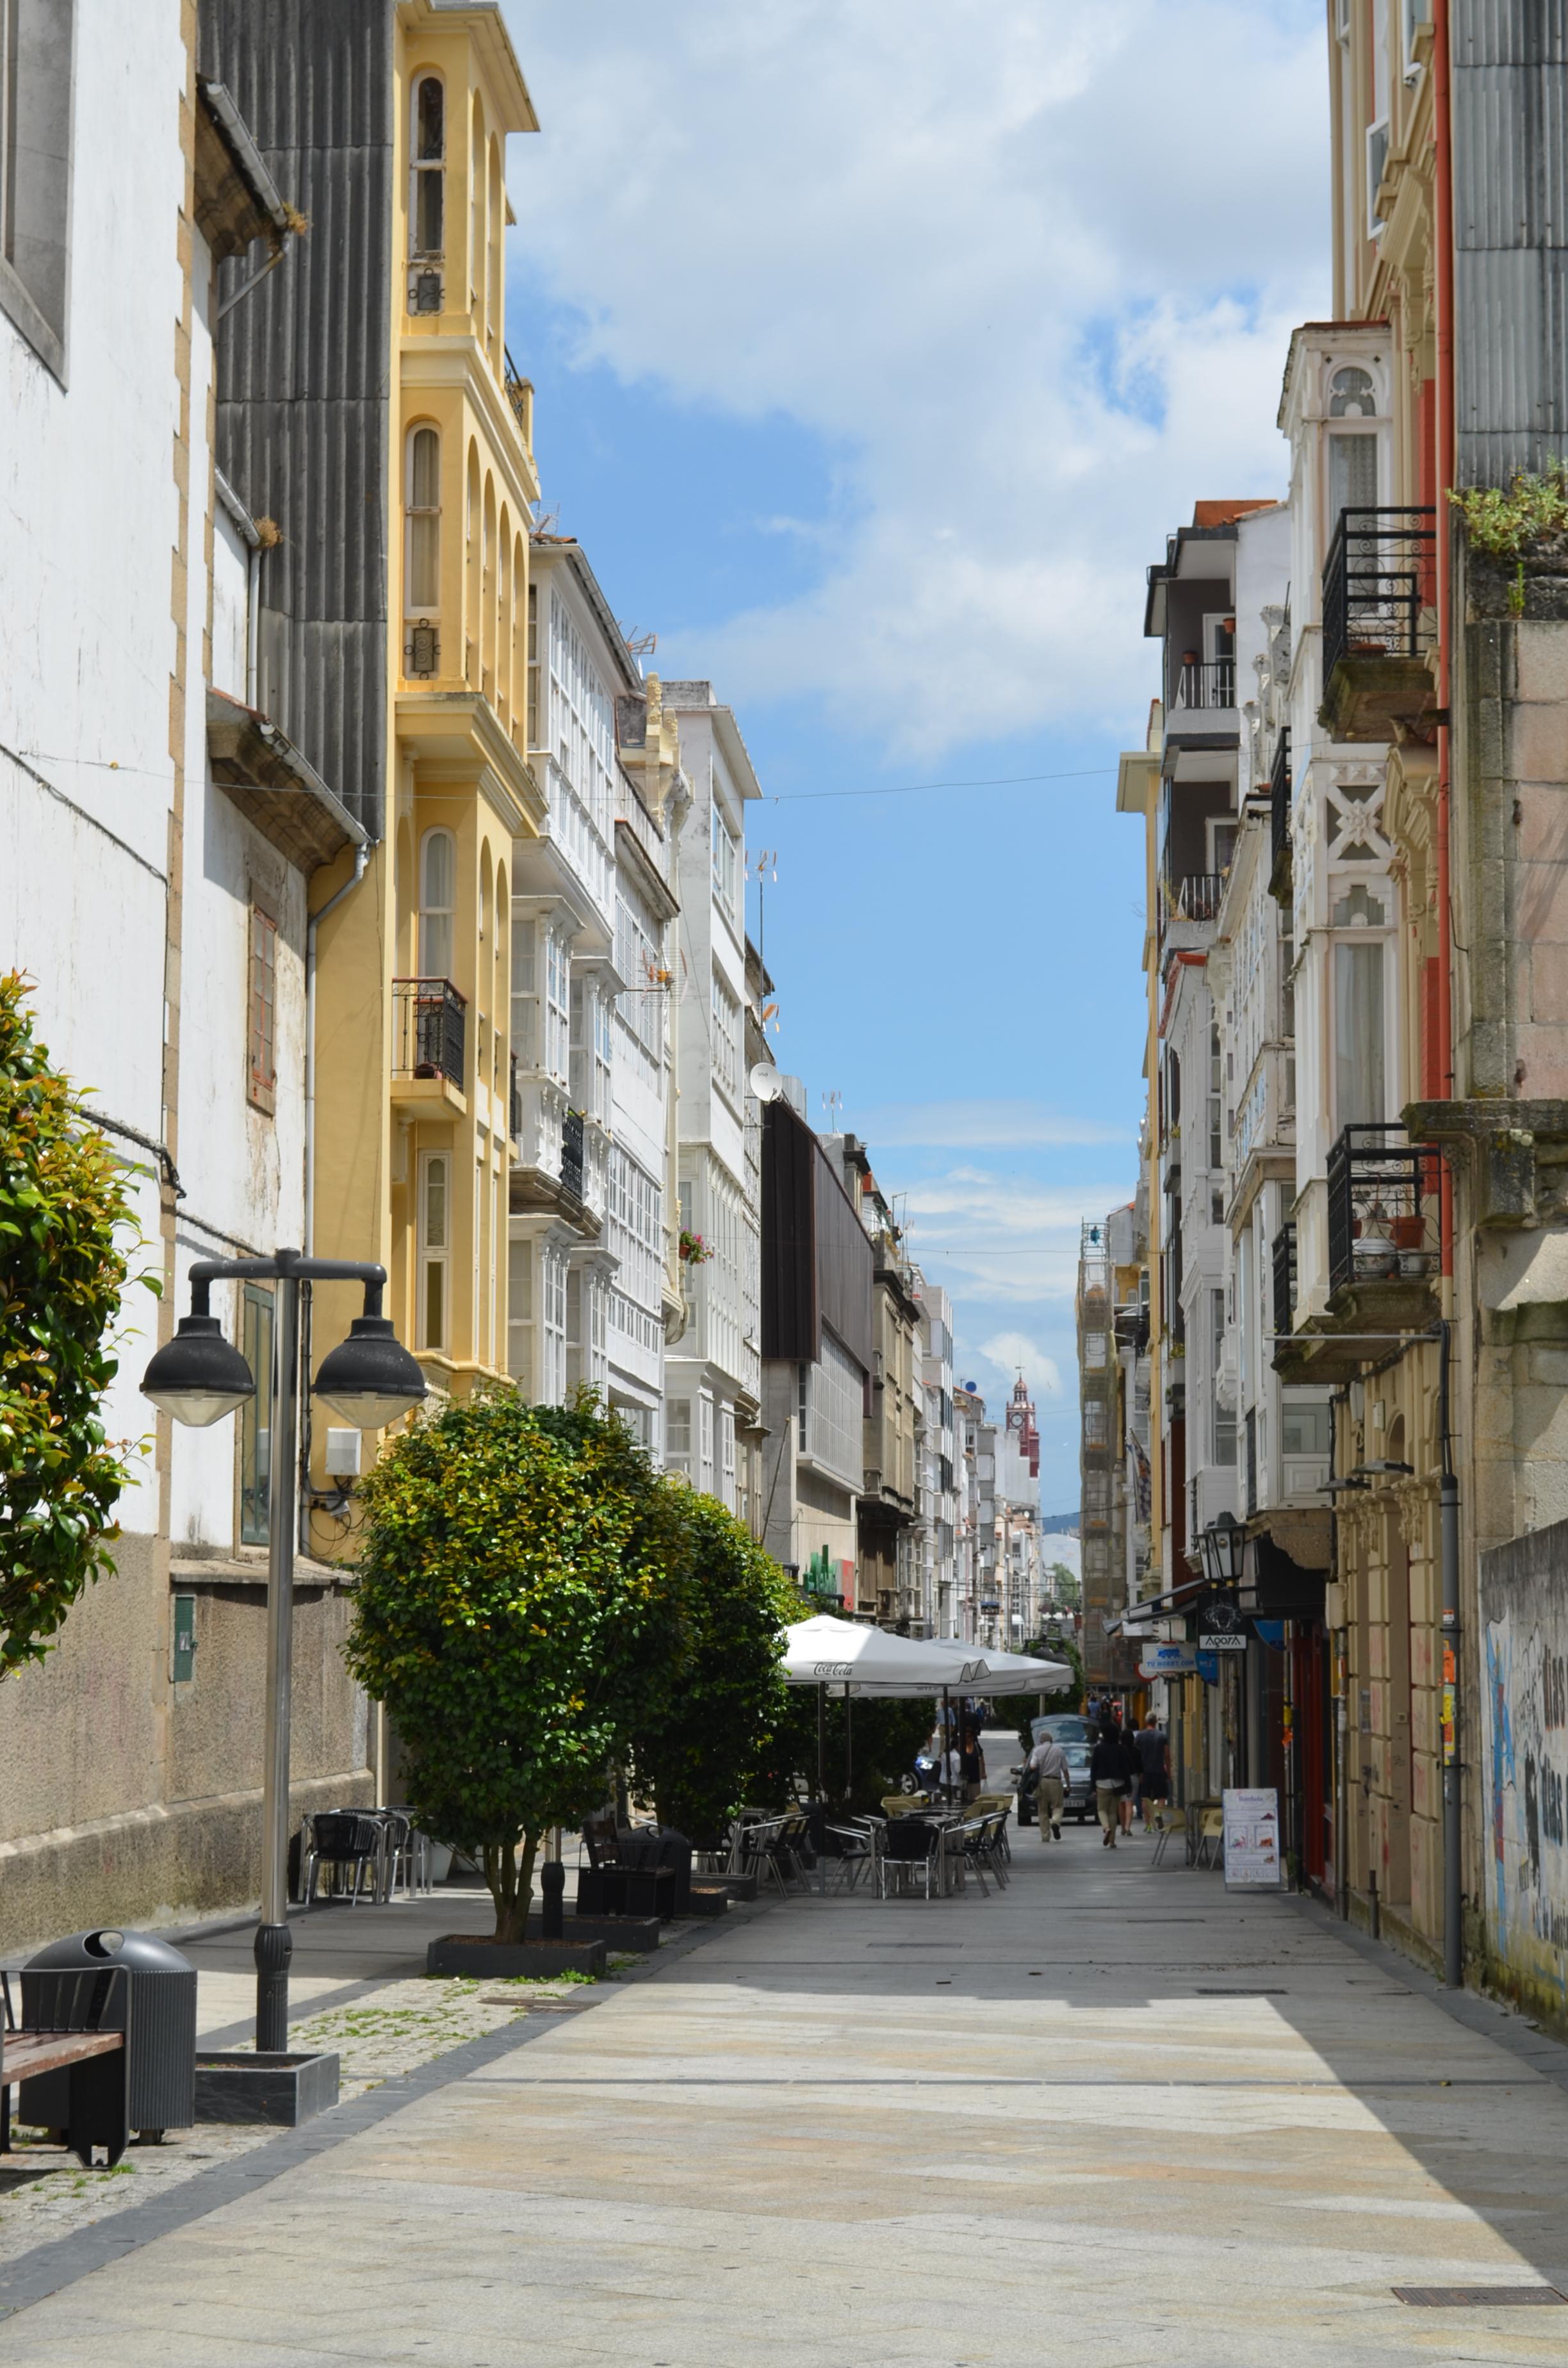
x: 1210, y: 1835
x: 343, y: 1839
x: 856, y: 1855
x: 1163, y: 1819
x: 914, y: 1852
x: 761, y: 1856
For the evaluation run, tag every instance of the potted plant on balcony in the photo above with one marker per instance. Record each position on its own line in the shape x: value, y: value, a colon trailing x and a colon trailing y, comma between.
x: 1376, y: 1252
x: 694, y: 1250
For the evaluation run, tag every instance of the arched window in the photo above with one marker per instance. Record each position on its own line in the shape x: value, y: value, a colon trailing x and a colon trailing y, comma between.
x: 428, y: 194
x: 484, y: 896
x: 424, y: 522
x: 1351, y: 395
x: 438, y: 903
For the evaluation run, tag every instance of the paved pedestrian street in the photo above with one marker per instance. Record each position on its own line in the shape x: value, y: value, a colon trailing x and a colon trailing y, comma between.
x: 1111, y: 2115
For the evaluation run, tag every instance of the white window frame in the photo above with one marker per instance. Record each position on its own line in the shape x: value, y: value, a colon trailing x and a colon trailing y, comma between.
x: 435, y: 1251
x: 726, y: 1013
x: 420, y: 168
x: 726, y: 860
x: 417, y: 515
x: 437, y: 921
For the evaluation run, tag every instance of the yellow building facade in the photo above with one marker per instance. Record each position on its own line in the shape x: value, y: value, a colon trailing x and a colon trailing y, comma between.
x: 413, y: 1082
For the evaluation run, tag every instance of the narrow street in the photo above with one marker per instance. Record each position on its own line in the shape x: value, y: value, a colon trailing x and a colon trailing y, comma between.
x: 1111, y: 2115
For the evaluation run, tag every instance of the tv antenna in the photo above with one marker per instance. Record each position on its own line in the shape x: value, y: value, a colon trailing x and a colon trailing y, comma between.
x: 763, y: 864
x: 833, y: 1103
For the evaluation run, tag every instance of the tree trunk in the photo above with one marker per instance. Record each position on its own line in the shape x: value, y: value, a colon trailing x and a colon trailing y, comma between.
x: 511, y: 1884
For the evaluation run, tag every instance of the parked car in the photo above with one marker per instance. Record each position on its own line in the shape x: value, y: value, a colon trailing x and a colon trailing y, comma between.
x: 1075, y: 1734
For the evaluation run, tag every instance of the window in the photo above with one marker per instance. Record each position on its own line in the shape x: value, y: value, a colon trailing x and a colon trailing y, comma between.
x: 423, y: 522
x: 1352, y: 475
x: 255, y: 1416
x: 1094, y: 1422
x: 677, y: 1435
x: 34, y: 171
x: 1377, y: 161
x: 1224, y: 1417
x: 1351, y: 395
x: 533, y: 665
x: 262, y: 1062
x: 705, y: 1443
x: 435, y: 1247
x: 1358, y: 1033
x: 557, y: 1047
x: 726, y: 1037
x: 426, y: 206
x: 831, y: 1412
x: 725, y: 863
x: 438, y: 900
x: 727, y: 1458
x: 1304, y: 1429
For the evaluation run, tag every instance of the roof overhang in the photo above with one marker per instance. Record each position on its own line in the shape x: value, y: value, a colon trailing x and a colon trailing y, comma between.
x: 237, y: 201
x: 275, y: 786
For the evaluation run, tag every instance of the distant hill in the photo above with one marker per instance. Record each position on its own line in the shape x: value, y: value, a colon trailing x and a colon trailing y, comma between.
x: 1050, y: 1522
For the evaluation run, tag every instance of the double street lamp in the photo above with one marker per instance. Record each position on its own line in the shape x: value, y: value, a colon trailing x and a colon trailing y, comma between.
x: 369, y: 1380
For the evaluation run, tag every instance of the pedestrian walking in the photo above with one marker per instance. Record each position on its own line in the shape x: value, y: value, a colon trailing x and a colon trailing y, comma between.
x: 1133, y: 1764
x: 1050, y: 1764
x: 1107, y: 1772
x: 971, y: 1760
x: 1154, y: 1759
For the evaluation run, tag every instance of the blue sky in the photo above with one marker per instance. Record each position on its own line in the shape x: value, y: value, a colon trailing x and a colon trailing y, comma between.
x: 875, y: 352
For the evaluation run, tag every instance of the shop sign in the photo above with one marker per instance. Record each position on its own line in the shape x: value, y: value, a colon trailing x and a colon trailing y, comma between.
x: 1252, y: 1860
x: 1222, y: 1628
x: 1168, y: 1661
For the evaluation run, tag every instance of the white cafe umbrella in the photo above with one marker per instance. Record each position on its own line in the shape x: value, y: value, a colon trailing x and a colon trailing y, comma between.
x: 824, y: 1652
x: 1020, y: 1673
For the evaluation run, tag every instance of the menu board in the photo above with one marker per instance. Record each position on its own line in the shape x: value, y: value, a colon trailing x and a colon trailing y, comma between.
x: 1253, y: 1856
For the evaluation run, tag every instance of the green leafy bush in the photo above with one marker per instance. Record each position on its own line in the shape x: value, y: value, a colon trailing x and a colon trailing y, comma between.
x: 1510, y: 522
x: 710, y: 1734
x: 63, y: 1266
x: 515, y: 1612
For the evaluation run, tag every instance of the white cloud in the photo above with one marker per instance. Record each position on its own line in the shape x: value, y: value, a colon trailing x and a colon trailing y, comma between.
x: 1014, y: 1352
x: 1003, y: 1239
x: 1027, y: 270
x: 968, y: 1125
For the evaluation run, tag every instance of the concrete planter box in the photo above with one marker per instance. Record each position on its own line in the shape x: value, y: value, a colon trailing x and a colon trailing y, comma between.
x: 630, y: 1932
x: 282, y: 2090
x: 485, y: 1960
x: 741, y: 1888
x: 707, y: 1899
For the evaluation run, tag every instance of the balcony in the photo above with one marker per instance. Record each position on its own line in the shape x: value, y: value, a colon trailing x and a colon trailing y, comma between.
x: 1197, y: 897
x: 572, y: 1170
x: 1280, y: 791
x: 515, y: 1105
x: 1383, y: 1255
x: 1203, y: 685
x: 520, y: 396
x: 1285, y: 1280
x: 429, y: 1040
x: 1379, y: 589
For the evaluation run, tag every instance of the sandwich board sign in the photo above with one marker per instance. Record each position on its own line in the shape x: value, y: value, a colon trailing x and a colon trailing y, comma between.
x: 1253, y: 1860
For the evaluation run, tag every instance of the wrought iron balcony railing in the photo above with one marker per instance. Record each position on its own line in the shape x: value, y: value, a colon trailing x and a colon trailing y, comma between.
x: 429, y: 1030
x: 1279, y: 799
x: 1382, y: 1207
x: 514, y: 1104
x: 1377, y: 579
x: 1285, y: 1279
x: 1203, y: 683
x: 520, y: 396
x: 572, y: 1153
x: 1197, y: 896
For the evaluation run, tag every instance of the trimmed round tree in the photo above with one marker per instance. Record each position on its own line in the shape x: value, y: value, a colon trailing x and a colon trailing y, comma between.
x: 514, y: 1615
x: 710, y: 1734
x: 63, y: 1223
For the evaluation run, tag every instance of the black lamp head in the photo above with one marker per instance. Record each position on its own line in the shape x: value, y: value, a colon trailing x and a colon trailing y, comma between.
x: 196, y: 1376
x: 369, y: 1379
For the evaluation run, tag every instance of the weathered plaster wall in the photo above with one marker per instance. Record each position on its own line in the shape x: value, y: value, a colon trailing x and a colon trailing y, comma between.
x: 1524, y: 1614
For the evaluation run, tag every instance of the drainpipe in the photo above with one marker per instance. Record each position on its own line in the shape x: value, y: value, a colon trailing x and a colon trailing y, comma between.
x: 1443, y: 232
x: 361, y: 857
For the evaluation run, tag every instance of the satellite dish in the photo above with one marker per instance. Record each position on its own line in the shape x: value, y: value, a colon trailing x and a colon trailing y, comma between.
x: 764, y: 1082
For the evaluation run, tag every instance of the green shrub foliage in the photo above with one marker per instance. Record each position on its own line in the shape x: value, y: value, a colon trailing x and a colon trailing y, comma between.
x: 514, y: 1613
x: 698, y: 1756
x: 64, y: 1225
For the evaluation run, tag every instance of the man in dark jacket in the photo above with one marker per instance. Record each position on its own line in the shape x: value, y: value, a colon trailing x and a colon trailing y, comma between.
x: 1107, y: 1771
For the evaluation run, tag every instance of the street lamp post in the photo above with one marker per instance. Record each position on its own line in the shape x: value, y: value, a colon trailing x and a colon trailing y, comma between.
x: 199, y: 1378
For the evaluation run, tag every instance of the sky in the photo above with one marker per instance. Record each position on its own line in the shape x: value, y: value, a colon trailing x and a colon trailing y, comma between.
x: 876, y: 349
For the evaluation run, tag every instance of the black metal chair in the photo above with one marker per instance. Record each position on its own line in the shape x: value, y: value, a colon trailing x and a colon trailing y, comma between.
x: 341, y: 1840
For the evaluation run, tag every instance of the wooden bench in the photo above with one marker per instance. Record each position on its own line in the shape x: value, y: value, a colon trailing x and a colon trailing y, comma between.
x: 95, y: 2059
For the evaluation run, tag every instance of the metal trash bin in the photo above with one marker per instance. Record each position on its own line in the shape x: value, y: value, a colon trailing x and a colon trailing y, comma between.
x: 160, y: 1994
